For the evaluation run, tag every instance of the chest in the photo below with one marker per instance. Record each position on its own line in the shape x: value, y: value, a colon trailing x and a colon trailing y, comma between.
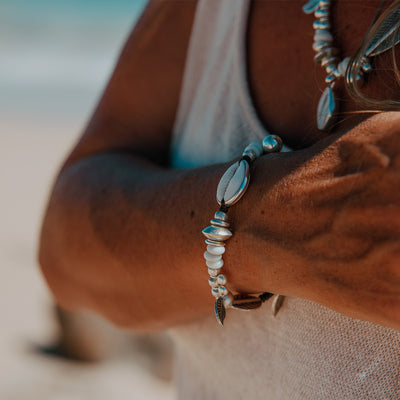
x: 286, y: 84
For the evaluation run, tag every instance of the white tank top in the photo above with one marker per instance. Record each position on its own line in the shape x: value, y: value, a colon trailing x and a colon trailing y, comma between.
x: 308, y: 351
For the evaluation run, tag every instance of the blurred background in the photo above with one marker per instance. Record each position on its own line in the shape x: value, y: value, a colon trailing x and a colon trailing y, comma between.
x: 56, y: 57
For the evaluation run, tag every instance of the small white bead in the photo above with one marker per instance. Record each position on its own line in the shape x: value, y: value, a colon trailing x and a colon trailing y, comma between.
x: 213, y: 272
x: 221, y: 280
x: 223, y: 290
x: 249, y: 153
x: 256, y: 148
x: 211, y: 257
x: 215, y: 264
x: 321, y: 24
x: 215, y: 292
x: 367, y: 68
x: 216, y: 250
x: 212, y: 282
x: 323, y: 35
x: 228, y: 300
x: 321, y: 13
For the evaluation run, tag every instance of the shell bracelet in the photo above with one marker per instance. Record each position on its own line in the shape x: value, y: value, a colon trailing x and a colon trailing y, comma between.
x: 231, y: 189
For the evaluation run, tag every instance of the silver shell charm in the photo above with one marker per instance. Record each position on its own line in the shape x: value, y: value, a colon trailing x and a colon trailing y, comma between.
x: 220, y: 311
x: 277, y: 303
x: 233, y: 183
x: 246, y: 302
x: 217, y: 233
x: 326, y: 109
x: 219, y: 223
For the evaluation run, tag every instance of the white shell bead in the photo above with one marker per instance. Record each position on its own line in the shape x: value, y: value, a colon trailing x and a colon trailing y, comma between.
x: 212, y: 257
x: 320, y: 24
x: 256, y: 148
x: 320, y: 45
x: 228, y: 300
x: 215, y: 264
x: 323, y: 35
x: 215, y: 292
x: 250, y: 154
x: 215, y: 250
x: 212, y: 282
x: 223, y: 290
x: 233, y: 183
x: 213, y: 272
x: 321, y: 13
x: 221, y: 280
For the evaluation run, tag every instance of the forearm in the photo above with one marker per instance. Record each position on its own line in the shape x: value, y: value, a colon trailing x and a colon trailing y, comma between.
x: 123, y: 237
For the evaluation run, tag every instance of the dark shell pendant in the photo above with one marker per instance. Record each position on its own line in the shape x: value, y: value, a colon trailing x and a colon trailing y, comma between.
x: 246, y: 302
x: 277, y: 303
x: 326, y: 110
x: 220, y: 311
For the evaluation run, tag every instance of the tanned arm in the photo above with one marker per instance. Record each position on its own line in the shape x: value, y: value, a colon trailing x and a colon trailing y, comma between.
x: 122, y: 232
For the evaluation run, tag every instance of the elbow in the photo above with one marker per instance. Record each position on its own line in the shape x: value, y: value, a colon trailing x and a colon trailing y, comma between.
x: 51, y: 266
x: 54, y: 252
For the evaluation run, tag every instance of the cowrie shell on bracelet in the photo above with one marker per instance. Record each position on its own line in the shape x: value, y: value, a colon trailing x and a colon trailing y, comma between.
x: 233, y: 183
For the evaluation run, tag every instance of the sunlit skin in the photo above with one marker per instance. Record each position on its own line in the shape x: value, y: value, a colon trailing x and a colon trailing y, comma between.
x: 122, y: 232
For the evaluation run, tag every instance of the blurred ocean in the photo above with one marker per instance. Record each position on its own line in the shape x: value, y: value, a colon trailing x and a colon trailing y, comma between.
x: 56, y: 55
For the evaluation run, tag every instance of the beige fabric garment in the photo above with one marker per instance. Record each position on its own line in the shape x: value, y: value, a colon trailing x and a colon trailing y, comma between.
x: 308, y: 351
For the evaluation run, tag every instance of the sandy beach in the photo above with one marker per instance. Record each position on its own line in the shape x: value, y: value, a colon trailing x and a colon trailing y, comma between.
x: 43, y: 109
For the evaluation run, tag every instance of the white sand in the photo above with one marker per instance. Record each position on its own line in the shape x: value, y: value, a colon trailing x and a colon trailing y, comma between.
x: 30, y: 151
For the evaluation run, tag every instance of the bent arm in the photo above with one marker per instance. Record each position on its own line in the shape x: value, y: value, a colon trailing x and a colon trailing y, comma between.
x: 122, y: 232
x: 122, y: 236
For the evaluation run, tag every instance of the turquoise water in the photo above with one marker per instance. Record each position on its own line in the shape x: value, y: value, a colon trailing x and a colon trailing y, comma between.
x: 99, y: 9
x: 57, y: 55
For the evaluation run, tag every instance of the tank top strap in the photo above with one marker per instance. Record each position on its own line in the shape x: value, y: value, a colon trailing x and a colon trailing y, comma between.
x: 215, y: 114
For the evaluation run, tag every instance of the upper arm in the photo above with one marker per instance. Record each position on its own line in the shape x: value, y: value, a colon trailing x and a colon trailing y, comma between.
x: 137, y: 109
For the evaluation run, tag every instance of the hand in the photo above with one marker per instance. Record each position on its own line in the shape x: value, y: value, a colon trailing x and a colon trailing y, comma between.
x: 328, y: 227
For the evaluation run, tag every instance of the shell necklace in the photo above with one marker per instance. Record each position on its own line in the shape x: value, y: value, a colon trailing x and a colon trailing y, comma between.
x: 385, y: 37
x: 326, y: 56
